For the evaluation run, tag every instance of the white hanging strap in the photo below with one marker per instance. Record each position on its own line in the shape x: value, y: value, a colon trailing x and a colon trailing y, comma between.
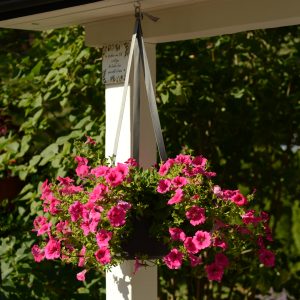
x: 124, y: 96
x: 139, y: 53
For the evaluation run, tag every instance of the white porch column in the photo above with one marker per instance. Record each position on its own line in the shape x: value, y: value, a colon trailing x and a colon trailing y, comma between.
x: 121, y: 284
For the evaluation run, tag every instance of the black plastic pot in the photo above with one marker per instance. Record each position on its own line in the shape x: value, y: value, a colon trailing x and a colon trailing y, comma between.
x: 140, y: 243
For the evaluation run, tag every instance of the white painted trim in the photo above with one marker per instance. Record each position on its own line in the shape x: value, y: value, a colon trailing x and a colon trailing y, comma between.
x: 201, y: 19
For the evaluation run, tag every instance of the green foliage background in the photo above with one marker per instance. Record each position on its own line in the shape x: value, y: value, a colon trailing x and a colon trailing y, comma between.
x: 233, y: 98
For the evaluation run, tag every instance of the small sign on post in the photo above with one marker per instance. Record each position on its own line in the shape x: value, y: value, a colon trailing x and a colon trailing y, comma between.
x: 114, y: 62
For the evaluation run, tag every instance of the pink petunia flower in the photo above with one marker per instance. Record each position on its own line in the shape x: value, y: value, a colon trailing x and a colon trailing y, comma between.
x: 125, y: 205
x: 38, y: 222
x: 202, y: 239
x: 81, y: 160
x: 103, y: 237
x: 91, y: 218
x: 196, y: 215
x: 98, y: 192
x: 183, y: 159
x: 100, y: 171
x: 173, y: 260
x: 214, y: 272
x: 220, y: 243
x: 75, y: 211
x: 222, y: 260
x: 177, y: 234
x: 103, y: 255
x: 164, y: 186
x: 65, y: 181
x: 38, y: 253
x: 71, y: 189
x: 117, y: 216
x: 199, y: 161
x: 190, y: 245
x: 164, y: 168
x: 114, y: 177
x: 178, y: 197
x: 123, y: 169
x: 239, y: 199
x: 266, y: 257
x: 131, y: 162
x: 45, y: 228
x: 179, y: 181
x: 195, y: 260
x: 81, y: 275
x: 52, y: 249
x: 81, y: 261
x: 82, y: 170
x: 90, y: 140
x: 250, y: 218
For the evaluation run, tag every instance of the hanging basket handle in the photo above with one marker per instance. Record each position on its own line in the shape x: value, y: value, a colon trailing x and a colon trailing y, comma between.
x: 138, y: 53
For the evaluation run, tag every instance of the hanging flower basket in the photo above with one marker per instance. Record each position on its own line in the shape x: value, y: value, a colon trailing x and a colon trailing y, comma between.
x: 173, y: 214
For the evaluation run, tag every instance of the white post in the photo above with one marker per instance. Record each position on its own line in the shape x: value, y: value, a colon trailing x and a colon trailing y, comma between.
x: 121, y: 284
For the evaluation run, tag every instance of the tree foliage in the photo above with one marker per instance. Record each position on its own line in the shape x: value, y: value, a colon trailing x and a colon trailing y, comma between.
x: 233, y: 98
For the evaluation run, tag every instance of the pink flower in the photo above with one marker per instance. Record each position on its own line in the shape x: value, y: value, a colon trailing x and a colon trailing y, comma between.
x: 228, y: 194
x: 250, y: 218
x: 174, y: 259
x: 219, y: 243
x: 116, y: 216
x: 52, y: 249
x: 266, y: 257
x: 98, y: 192
x: 89, y: 140
x: 91, y: 219
x: 221, y: 260
x: 164, y: 186
x: 38, y: 253
x: 65, y: 181
x: 202, y: 239
x: 179, y: 181
x: 100, y: 171
x: 268, y: 232
x: 183, y: 159
x: 190, y: 245
x: 81, y: 261
x: 199, y: 161
x: 114, y: 177
x: 239, y: 199
x: 177, y: 234
x: 164, y: 168
x: 196, y: 215
x: 103, y: 255
x: 82, y: 170
x: 131, y: 162
x: 53, y: 206
x: 194, y: 260
x: 137, y: 265
x: 218, y: 191
x: 38, y: 222
x: 75, y: 211
x: 103, y: 237
x: 123, y: 169
x: 71, y: 189
x: 81, y: 275
x: 125, y: 205
x: 81, y: 160
x: 178, y: 197
x: 214, y: 272
x: 45, y: 228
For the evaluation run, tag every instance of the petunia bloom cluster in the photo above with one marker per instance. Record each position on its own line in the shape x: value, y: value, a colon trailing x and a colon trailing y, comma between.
x: 87, y: 217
